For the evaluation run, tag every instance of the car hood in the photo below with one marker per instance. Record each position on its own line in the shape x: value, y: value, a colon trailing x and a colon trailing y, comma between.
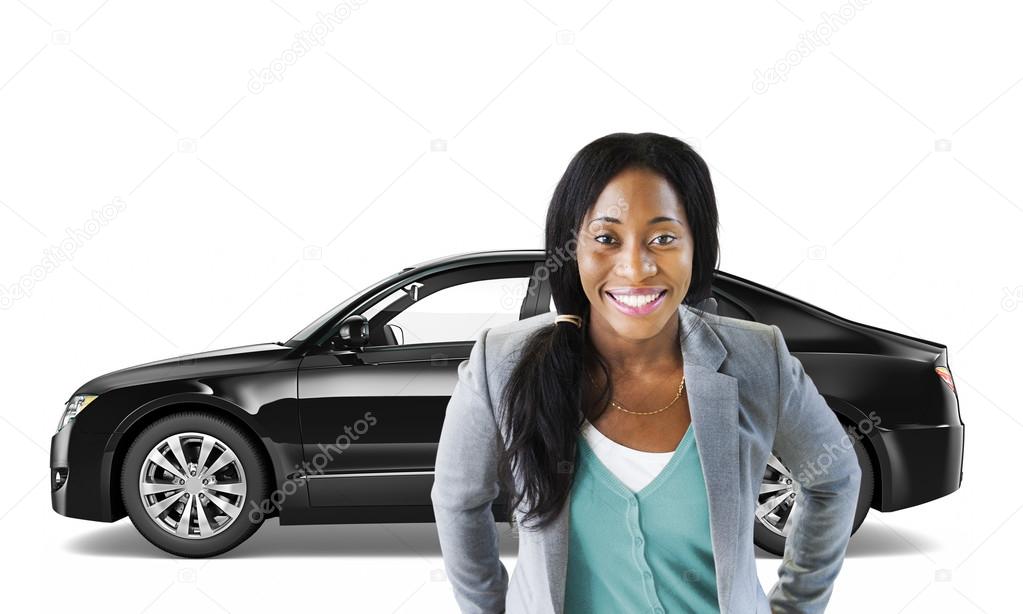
x: 246, y: 358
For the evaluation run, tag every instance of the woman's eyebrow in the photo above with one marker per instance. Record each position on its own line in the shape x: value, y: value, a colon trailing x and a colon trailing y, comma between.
x: 653, y: 220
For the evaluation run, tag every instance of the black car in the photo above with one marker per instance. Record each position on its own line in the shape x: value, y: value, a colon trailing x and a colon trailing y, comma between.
x: 340, y: 423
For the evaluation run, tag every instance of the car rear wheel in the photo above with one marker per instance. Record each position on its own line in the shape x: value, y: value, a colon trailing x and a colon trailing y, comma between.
x: 187, y: 483
x: 777, y: 500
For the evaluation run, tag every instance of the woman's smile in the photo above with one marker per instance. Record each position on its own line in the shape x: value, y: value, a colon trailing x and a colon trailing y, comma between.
x: 639, y: 303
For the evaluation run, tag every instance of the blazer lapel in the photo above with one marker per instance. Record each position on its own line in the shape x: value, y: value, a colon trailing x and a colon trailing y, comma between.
x: 713, y: 405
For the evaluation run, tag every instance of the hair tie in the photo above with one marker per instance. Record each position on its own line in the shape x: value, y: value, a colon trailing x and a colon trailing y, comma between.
x: 577, y: 320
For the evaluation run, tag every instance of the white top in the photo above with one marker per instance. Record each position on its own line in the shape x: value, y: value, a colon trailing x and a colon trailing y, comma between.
x: 634, y: 468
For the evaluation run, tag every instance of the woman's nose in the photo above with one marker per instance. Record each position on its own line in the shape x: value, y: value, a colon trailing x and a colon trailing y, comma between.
x: 635, y: 263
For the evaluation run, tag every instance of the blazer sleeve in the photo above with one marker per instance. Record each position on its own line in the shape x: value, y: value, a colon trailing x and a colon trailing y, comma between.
x: 818, y: 452
x: 465, y: 485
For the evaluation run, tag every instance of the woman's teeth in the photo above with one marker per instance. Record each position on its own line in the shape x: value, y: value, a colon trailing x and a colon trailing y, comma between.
x: 636, y: 300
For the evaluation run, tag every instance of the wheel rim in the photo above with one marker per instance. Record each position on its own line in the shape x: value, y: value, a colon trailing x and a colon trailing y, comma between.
x: 777, y: 498
x: 192, y: 485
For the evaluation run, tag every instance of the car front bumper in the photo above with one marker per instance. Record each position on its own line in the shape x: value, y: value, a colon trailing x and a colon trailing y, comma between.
x: 83, y: 490
x: 59, y: 469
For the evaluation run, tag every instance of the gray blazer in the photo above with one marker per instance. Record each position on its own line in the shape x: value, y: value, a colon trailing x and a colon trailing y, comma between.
x: 747, y: 394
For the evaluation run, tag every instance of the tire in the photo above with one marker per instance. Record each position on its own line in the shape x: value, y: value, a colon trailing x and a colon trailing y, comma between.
x: 765, y: 530
x: 155, y: 488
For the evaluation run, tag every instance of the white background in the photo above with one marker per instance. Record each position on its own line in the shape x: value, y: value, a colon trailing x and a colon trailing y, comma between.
x: 879, y: 180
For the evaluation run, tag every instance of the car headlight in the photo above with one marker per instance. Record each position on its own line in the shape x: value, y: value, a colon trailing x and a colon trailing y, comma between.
x: 74, y: 407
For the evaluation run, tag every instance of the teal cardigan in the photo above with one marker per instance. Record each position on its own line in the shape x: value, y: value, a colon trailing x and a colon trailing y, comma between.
x: 648, y: 551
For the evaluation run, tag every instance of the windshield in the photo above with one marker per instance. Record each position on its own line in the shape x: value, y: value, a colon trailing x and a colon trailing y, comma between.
x: 306, y: 332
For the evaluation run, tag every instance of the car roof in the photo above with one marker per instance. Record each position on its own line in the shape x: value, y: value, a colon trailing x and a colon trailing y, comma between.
x: 483, y: 257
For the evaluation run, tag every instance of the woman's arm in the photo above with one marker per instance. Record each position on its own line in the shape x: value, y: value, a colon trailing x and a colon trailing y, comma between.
x: 813, y: 445
x: 464, y: 486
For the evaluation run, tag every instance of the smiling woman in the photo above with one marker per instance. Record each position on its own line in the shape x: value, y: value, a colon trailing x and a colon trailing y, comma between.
x: 640, y: 253
x: 631, y: 358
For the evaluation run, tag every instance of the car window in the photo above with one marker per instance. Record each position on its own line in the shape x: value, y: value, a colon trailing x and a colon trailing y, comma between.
x: 459, y: 312
x: 329, y: 315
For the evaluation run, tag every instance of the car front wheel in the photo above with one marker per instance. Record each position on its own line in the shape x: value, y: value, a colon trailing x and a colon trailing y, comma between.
x: 187, y: 483
x: 777, y: 500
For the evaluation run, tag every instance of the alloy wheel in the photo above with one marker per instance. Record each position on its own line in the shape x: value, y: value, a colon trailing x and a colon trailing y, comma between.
x: 777, y: 498
x: 192, y: 485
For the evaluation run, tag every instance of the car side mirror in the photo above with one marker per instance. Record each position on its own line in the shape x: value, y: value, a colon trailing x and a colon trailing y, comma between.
x: 353, y: 334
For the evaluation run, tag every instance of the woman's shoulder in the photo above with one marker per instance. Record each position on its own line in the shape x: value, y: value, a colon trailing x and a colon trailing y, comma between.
x: 734, y: 329
x: 520, y: 328
x: 504, y: 338
x: 733, y: 326
x: 749, y: 345
x: 504, y: 341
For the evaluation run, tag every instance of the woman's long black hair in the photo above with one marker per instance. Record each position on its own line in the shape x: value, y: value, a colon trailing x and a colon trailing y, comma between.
x: 543, y: 396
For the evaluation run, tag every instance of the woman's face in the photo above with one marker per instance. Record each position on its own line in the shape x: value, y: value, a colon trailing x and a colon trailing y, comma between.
x: 636, y: 241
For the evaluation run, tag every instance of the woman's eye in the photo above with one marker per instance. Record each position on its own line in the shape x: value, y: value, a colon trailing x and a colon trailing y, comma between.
x: 611, y: 239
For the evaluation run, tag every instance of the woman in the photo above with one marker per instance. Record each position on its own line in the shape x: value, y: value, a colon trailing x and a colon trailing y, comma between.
x: 632, y: 430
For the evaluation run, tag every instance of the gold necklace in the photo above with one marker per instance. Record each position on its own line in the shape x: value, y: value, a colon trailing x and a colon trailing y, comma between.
x: 678, y: 394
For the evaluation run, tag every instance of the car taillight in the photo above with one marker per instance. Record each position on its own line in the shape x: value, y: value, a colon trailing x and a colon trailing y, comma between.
x: 946, y: 376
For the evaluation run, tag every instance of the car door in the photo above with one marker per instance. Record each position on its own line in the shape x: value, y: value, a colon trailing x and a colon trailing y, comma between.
x: 371, y: 419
